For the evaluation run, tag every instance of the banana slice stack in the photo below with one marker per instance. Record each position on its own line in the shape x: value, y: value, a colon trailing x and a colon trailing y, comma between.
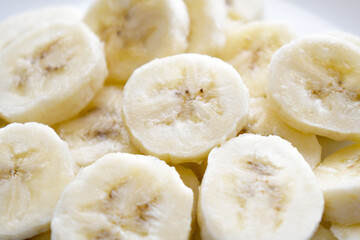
x: 176, y: 119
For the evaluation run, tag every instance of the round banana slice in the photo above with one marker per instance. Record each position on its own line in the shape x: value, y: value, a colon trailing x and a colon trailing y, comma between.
x: 98, y: 129
x: 124, y: 196
x: 178, y: 108
x: 17, y: 25
x: 263, y: 120
x: 261, y: 188
x: 249, y: 49
x: 51, y: 73
x: 314, y: 85
x: 341, y: 232
x: 35, y: 166
x: 244, y: 10
x: 323, y: 234
x: 207, y: 19
x: 136, y: 32
x: 339, y: 179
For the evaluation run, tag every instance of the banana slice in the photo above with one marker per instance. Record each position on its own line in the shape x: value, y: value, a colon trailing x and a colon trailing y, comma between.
x: 98, y: 129
x: 249, y: 49
x: 124, y: 196
x: 51, y: 73
x: 244, y: 10
x: 43, y: 236
x: 351, y: 232
x: 190, y: 180
x: 35, y: 166
x: 338, y: 176
x: 323, y: 234
x: 207, y: 19
x: 261, y: 188
x: 136, y: 32
x: 314, y: 86
x: 17, y: 25
x: 263, y: 120
x: 178, y: 108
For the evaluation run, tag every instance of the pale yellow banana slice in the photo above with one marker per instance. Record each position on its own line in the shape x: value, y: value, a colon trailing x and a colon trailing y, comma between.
x: 98, y: 129
x: 190, y: 180
x: 207, y: 19
x: 51, y: 73
x: 249, y: 49
x: 323, y: 234
x: 261, y: 188
x: 136, y: 32
x: 351, y: 232
x: 263, y: 120
x: 339, y: 179
x: 314, y: 85
x: 244, y: 10
x: 178, y: 108
x: 124, y: 196
x: 35, y: 166
x: 17, y: 25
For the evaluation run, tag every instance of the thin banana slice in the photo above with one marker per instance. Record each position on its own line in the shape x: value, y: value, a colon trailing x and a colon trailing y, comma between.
x: 178, y: 108
x: 351, y: 232
x: 261, y: 188
x: 190, y: 180
x: 249, y: 49
x: 98, y: 129
x: 17, y: 25
x: 35, y: 166
x: 207, y: 20
x: 136, y: 32
x: 323, y: 234
x: 314, y: 85
x: 263, y: 120
x: 124, y: 196
x: 244, y: 10
x: 51, y: 73
x: 339, y: 179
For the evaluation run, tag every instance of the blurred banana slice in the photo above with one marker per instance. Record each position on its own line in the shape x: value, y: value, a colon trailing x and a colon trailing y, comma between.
x: 314, y: 85
x: 98, y: 129
x: 15, y: 26
x: 249, y: 49
x: 323, y: 234
x: 207, y: 19
x: 124, y: 196
x: 51, y: 73
x: 338, y: 177
x: 136, y: 32
x: 263, y: 120
x: 35, y: 166
x: 341, y: 232
x: 261, y: 188
x: 178, y: 108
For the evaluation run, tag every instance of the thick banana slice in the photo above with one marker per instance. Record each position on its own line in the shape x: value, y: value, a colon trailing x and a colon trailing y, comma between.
x: 17, y: 25
x: 178, y: 108
x: 249, y: 49
x: 35, y: 166
x: 51, y: 73
x: 207, y: 19
x: 339, y: 179
x: 98, y: 129
x: 263, y: 120
x: 124, y: 196
x: 351, y: 232
x: 190, y: 180
x: 244, y: 10
x: 136, y: 32
x: 314, y: 85
x: 323, y: 234
x: 261, y: 188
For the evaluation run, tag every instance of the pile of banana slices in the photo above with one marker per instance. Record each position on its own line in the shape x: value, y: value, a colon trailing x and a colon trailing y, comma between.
x: 176, y: 120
